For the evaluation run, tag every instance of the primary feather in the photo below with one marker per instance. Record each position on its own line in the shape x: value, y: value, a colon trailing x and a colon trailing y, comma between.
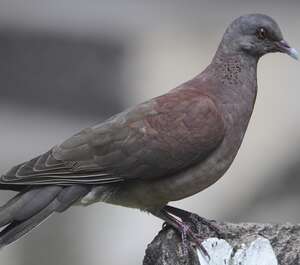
x: 145, y: 142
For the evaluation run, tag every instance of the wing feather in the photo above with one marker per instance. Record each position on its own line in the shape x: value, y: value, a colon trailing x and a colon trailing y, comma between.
x: 154, y: 139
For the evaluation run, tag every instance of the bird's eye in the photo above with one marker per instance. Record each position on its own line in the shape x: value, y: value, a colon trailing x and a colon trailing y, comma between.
x: 261, y: 33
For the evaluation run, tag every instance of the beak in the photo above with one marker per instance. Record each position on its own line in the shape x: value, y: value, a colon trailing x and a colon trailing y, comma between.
x: 284, y: 47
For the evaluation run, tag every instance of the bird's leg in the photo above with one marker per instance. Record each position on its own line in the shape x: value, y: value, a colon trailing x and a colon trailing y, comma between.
x: 192, y: 218
x: 184, y: 229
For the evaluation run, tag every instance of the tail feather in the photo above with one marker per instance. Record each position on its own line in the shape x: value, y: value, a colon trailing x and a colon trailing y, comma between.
x: 17, y: 229
x: 27, y: 203
x: 29, y: 208
x: 70, y: 195
x: 6, y: 210
x: 34, y: 203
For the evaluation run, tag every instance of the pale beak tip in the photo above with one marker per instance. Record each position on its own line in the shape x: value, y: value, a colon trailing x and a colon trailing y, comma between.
x: 294, y: 53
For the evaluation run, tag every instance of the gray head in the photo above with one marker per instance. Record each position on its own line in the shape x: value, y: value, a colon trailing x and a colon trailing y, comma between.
x: 255, y: 35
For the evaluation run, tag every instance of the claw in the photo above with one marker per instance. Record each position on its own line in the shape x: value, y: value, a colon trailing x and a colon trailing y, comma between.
x: 184, y: 222
x: 204, y: 250
x: 194, y: 219
x: 164, y: 225
x: 186, y: 231
x: 198, y: 242
x: 187, y: 226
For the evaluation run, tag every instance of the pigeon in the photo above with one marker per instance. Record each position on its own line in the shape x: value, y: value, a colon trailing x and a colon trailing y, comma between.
x: 165, y: 149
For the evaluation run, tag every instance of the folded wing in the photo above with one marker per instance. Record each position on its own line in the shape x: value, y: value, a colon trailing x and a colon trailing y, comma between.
x: 155, y: 139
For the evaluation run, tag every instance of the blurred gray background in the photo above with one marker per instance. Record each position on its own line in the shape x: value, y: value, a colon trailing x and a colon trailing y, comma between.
x: 67, y: 64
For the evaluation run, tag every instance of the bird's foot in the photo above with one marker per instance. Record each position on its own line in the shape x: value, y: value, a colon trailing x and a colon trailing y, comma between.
x: 195, y: 219
x: 165, y: 225
x: 187, y: 232
x: 187, y: 224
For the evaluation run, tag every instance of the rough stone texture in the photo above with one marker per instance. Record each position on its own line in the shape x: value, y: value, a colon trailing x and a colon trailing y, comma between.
x: 166, y: 248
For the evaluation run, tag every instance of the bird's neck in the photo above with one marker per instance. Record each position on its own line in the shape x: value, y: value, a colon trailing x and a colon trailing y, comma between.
x: 234, y: 69
x: 232, y: 82
x: 225, y: 57
x: 230, y: 76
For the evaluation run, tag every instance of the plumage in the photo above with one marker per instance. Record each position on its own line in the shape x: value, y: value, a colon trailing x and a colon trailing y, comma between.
x: 178, y: 128
x: 17, y: 229
x: 162, y: 150
x: 29, y: 208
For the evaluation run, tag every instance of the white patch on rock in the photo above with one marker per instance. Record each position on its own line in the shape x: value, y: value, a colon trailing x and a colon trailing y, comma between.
x: 259, y: 252
x: 219, y: 251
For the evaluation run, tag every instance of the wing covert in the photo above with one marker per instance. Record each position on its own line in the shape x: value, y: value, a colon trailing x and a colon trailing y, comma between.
x: 158, y: 138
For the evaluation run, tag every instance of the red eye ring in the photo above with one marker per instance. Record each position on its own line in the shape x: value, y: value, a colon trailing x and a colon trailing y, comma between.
x: 261, y: 33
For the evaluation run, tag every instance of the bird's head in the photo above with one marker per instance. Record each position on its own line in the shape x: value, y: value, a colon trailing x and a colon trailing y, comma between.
x: 256, y: 35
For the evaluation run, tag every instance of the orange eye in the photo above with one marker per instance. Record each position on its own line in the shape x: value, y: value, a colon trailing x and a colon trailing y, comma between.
x: 261, y: 33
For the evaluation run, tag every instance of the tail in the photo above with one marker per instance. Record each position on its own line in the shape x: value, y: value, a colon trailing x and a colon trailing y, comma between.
x: 29, y: 208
